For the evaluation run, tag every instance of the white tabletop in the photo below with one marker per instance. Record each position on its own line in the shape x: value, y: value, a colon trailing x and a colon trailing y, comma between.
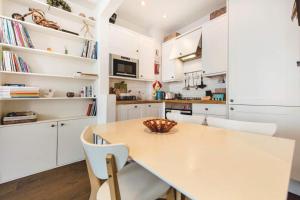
x: 208, y: 163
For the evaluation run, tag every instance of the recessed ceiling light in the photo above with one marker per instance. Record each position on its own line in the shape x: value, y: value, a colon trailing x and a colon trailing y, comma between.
x: 143, y: 3
x: 164, y: 16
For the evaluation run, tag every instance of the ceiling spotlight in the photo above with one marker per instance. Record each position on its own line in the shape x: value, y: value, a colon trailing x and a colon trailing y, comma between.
x: 143, y: 3
x: 164, y: 16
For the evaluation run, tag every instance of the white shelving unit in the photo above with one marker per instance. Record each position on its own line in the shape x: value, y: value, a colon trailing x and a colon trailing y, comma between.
x: 52, y: 98
x: 42, y: 52
x: 49, y: 31
x: 52, y: 69
x: 55, y: 11
x: 5, y: 73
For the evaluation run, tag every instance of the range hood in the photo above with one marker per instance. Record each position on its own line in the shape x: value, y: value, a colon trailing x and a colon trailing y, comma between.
x: 187, y: 46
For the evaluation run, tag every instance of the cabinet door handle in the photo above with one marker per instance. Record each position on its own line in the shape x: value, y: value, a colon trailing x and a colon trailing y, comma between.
x: 172, y: 76
x: 206, y: 109
x: 149, y: 106
x: 135, y: 106
x: 141, y: 75
x: 231, y: 108
x: 52, y: 125
x: 62, y: 124
x: 231, y: 100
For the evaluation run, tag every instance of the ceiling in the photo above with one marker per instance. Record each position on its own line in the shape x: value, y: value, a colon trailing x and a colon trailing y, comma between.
x: 166, y: 15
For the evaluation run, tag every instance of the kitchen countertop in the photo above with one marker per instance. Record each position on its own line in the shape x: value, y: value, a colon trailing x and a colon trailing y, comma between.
x: 170, y: 101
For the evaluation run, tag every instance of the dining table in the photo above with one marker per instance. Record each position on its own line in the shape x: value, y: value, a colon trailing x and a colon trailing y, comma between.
x: 207, y: 163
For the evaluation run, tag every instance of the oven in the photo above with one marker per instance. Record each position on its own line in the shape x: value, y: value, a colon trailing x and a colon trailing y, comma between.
x: 182, y: 108
x: 123, y: 66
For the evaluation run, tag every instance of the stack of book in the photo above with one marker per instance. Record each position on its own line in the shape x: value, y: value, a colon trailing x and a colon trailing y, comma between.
x: 14, y: 33
x: 90, y: 50
x: 13, y: 63
x: 19, y: 91
x: 87, y: 91
x: 92, y: 109
x: 19, y: 117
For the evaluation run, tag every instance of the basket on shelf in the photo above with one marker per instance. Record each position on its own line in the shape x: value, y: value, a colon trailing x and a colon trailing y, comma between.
x: 160, y: 125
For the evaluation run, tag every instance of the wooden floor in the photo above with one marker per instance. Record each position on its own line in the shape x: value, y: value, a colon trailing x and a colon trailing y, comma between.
x: 64, y: 183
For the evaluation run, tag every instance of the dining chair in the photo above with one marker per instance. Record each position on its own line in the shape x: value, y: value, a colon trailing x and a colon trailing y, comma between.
x: 197, y: 119
x: 252, y: 127
x: 126, y: 182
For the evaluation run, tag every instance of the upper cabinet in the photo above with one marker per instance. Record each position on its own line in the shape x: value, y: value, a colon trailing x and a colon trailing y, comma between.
x: 146, y: 58
x: 186, y: 44
x: 123, y: 42
x: 263, y: 61
x: 215, y: 46
x: 172, y: 69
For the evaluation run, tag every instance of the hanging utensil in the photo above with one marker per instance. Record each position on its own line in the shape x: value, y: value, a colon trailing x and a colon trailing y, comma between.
x: 202, y: 85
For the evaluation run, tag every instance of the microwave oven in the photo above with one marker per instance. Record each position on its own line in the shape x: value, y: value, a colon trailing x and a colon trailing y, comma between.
x: 123, y: 66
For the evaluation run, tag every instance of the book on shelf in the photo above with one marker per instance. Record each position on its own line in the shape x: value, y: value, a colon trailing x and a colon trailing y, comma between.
x: 14, y: 33
x: 11, y: 62
x: 19, y: 117
x: 92, y: 109
x: 15, y: 91
x: 90, y: 49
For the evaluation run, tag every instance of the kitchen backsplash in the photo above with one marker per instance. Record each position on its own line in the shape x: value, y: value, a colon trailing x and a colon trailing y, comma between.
x: 212, y: 83
x: 135, y: 86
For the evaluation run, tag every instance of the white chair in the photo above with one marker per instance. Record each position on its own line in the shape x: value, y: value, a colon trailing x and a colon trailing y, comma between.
x: 130, y: 182
x: 252, y: 127
x: 196, y: 119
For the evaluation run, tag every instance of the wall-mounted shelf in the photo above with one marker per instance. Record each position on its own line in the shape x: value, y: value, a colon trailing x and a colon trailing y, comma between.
x: 51, y: 120
x: 51, y: 99
x: 132, y: 79
x: 46, y: 75
x: 45, y: 30
x: 44, y: 52
x: 56, y: 11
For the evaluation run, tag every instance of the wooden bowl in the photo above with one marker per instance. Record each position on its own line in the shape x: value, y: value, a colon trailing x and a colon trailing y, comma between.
x: 160, y: 125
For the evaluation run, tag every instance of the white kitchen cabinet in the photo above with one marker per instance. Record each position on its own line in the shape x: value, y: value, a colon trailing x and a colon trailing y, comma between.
x: 172, y: 69
x: 220, y: 110
x: 146, y: 58
x: 215, y: 46
x: 123, y: 42
x: 137, y: 111
x: 286, y: 118
x: 27, y: 149
x: 127, y: 112
x: 152, y: 110
x: 263, y: 52
x: 186, y: 44
x: 69, y: 145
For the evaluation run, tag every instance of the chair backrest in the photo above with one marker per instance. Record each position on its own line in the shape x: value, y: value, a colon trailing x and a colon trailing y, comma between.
x: 252, y: 127
x: 96, y: 154
x: 196, y: 119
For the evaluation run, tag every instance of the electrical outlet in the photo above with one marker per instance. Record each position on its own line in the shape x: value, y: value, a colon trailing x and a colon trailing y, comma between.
x: 298, y: 63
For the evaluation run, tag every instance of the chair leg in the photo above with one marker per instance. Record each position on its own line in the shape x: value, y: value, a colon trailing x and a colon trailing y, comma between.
x: 94, y: 181
x: 171, y: 194
x: 112, y: 177
x: 183, y: 197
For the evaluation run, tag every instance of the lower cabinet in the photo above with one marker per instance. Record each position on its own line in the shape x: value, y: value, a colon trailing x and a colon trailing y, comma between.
x: 32, y: 148
x: 69, y: 148
x: 286, y: 118
x: 137, y: 111
x: 214, y: 110
x: 27, y: 149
